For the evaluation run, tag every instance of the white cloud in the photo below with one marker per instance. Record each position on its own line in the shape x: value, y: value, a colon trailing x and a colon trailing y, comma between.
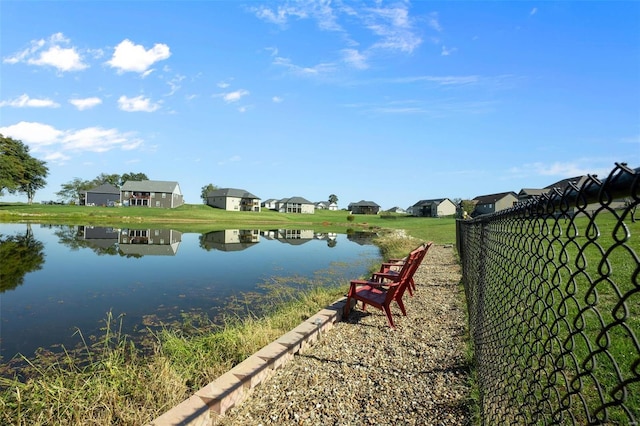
x: 394, y: 28
x: 447, y: 52
x: 393, y: 25
x: 355, y: 59
x: 56, y: 55
x: 134, y: 57
x: 62, y: 59
x: 33, y: 134
x: 56, y: 157
x: 223, y: 85
x: 24, y: 100
x: 277, y: 99
x: 174, y: 84
x: 319, y: 69
x: 234, y: 96
x: 139, y: 103
x: 533, y: 11
x: 85, y: 103
x: 56, y: 145
x: 97, y: 139
x: 434, y: 22
x: 280, y: 15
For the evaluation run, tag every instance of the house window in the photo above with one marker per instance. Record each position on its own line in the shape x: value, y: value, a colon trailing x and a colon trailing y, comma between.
x: 126, y: 193
x: 164, y: 195
x: 157, y: 203
x: 153, y: 195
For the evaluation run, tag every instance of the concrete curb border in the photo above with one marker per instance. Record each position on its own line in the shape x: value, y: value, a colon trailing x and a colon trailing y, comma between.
x: 235, y: 386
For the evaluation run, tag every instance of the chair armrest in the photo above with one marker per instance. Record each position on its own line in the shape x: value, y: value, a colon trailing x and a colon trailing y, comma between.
x: 377, y: 276
x: 354, y: 283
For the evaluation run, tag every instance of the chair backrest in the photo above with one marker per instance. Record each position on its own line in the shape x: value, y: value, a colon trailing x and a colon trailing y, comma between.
x: 397, y: 288
x: 417, y: 256
x: 423, y: 253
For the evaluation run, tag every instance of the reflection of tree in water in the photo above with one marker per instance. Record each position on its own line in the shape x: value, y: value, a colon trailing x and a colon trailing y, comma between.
x: 19, y: 255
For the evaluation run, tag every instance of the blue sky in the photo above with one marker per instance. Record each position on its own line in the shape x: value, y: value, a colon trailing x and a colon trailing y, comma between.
x: 391, y: 102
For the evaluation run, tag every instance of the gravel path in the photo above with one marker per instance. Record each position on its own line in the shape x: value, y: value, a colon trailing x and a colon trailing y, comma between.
x: 362, y: 372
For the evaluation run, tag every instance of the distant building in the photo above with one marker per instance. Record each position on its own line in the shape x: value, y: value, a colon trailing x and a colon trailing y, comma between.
x: 396, y: 210
x: 233, y: 199
x: 103, y: 195
x: 494, y: 202
x: 295, y: 205
x: 270, y: 204
x: 437, y: 207
x: 364, y: 207
x: 151, y: 193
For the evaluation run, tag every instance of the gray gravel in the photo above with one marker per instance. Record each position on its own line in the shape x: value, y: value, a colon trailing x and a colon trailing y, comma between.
x: 362, y: 372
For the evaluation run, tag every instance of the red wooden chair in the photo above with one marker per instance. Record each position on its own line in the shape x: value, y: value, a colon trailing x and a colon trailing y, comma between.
x: 380, y: 294
x: 390, y: 269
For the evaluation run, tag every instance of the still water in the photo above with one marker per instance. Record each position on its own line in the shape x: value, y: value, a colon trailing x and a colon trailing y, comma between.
x: 58, y: 279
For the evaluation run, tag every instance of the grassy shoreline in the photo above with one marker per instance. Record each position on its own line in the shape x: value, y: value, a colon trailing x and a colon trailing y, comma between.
x: 202, y: 218
x: 115, y: 383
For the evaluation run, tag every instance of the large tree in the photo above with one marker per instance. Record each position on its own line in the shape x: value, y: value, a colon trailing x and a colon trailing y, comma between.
x: 75, y: 190
x: 132, y: 176
x: 206, y: 190
x: 19, y: 171
x: 113, y: 179
x: 333, y: 198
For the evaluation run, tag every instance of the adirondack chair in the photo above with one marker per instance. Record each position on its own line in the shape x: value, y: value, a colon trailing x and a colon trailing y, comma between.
x: 390, y: 269
x: 381, y: 294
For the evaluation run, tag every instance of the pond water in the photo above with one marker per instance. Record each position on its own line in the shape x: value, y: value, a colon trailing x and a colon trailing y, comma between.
x: 58, y: 279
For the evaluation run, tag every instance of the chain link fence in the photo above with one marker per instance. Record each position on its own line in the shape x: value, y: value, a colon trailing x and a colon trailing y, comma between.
x: 553, y: 292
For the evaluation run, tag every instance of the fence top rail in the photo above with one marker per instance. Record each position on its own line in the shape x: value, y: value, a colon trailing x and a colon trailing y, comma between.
x: 622, y: 182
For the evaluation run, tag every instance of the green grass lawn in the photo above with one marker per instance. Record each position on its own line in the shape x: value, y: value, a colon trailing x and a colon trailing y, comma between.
x: 562, y: 309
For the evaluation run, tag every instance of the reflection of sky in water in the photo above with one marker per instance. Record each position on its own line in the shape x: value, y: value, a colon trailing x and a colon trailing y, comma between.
x: 76, y: 288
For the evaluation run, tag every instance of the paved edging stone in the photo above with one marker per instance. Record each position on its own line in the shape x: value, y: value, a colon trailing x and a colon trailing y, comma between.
x: 233, y: 387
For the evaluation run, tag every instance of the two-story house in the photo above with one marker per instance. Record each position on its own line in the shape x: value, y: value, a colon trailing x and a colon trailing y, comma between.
x: 233, y: 199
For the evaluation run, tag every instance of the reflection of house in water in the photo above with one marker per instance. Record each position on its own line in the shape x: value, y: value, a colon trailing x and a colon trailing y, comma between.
x: 231, y: 239
x: 290, y: 236
x: 153, y: 242
x: 361, y: 237
x: 99, y: 236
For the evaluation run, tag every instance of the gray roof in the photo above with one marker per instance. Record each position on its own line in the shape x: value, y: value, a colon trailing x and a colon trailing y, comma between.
x: 492, y: 198
x: 295, y: 200
x: 363, y: 203
x: 105, y: 188
x: 231, y: 192
x: 561, y: 185
x: 532, y: 191
x: 151, y: 186
x: 425, y: 202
